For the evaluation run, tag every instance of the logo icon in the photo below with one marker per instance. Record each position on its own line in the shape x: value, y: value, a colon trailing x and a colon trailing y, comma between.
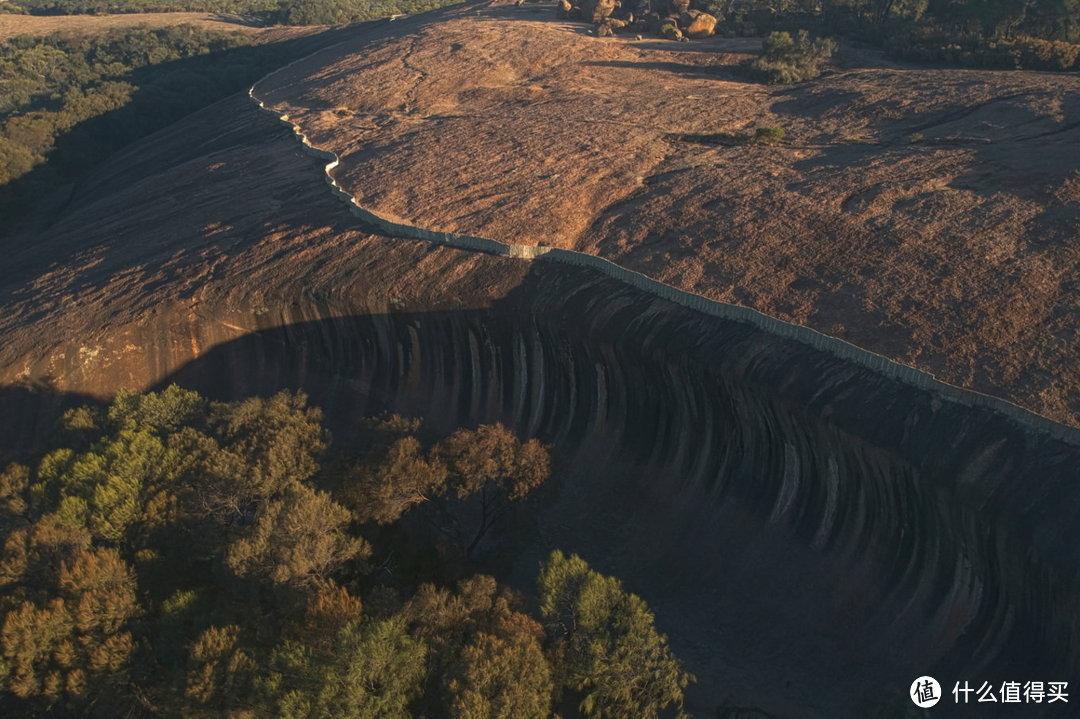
x: 925, y: 692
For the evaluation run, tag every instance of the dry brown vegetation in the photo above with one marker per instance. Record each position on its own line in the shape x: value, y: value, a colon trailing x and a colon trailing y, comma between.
x: 930, y: 215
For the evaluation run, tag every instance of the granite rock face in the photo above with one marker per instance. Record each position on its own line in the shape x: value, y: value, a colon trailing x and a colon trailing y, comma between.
x: 956, y: 254
x: 797, y: 521
x: 698, y: 23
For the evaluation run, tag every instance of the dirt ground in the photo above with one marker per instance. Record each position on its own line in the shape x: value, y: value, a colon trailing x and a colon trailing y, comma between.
x: 13, y: 25
x: 929, y: 215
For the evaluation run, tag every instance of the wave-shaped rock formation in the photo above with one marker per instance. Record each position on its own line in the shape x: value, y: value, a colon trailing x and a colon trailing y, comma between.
x: 813, y: 532
x: 929, y: 215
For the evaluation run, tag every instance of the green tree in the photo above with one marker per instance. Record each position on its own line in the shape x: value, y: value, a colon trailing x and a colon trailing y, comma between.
x: 777, y: 45
x: 329, y: 609
x: 33, y: 555
x: 280, y: 438
x: 211, y: 503
x: 299, y: 540
x: 222, y: 671
x: 503, y: 676
x: 74, y: 646
x: 36, y: 645
x: 164, y: 411
x: 250, y: 452
x: 391, y: 481
x: 104, y: 489
x: 786, y: 59
x: 613, y: 657
x: 448, y: 620
x: 374, y: 670
x: 321, y: 12
x: 460, y: 627
x: 14, y: 481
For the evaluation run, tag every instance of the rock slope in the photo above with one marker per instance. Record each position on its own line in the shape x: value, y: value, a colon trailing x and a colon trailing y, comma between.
x: 928, y: 215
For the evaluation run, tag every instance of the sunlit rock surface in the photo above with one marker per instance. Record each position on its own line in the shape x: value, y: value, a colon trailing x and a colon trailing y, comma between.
x: 809, y: 533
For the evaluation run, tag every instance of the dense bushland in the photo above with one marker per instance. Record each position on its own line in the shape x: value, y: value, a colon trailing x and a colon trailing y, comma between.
x: 340, y: 12
x: 68, y: 101
x: 170, y: 556
x: 267, y: 12
x: 1022, y: 34
x: 97, y: 7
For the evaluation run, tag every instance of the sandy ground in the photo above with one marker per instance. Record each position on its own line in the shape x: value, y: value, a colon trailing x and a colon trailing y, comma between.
x: 13, y: 25
x: 930, y: 215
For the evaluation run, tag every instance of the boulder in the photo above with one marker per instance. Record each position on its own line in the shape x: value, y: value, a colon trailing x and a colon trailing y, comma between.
x: 609, y: 27
x: 595, y: 11
x: 697, y: 24
x: 564, y: 10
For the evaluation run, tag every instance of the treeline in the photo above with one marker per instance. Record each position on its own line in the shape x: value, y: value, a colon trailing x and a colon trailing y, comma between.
x: 341, y: 12
x: 267, y: 12
x: 256, y: 8
x: 72, y: 100
x: 170, y: 556
x: 1027, y: 34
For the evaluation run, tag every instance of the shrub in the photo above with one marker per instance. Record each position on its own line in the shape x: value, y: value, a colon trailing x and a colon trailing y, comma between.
x: 670, y: 31
x: 778, y: 45
x: 785, y: 59
x: 769, y: 135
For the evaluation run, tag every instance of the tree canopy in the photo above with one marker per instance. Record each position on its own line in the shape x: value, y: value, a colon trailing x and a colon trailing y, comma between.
x: 174, y: 556
x: 67, y: 100
x: 613, y: 655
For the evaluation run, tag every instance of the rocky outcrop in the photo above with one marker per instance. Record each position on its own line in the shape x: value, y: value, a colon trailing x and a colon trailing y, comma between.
x: 800, y: 512
x: 805, y: 335
x: 583, y: 157
x: 609, y: 17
